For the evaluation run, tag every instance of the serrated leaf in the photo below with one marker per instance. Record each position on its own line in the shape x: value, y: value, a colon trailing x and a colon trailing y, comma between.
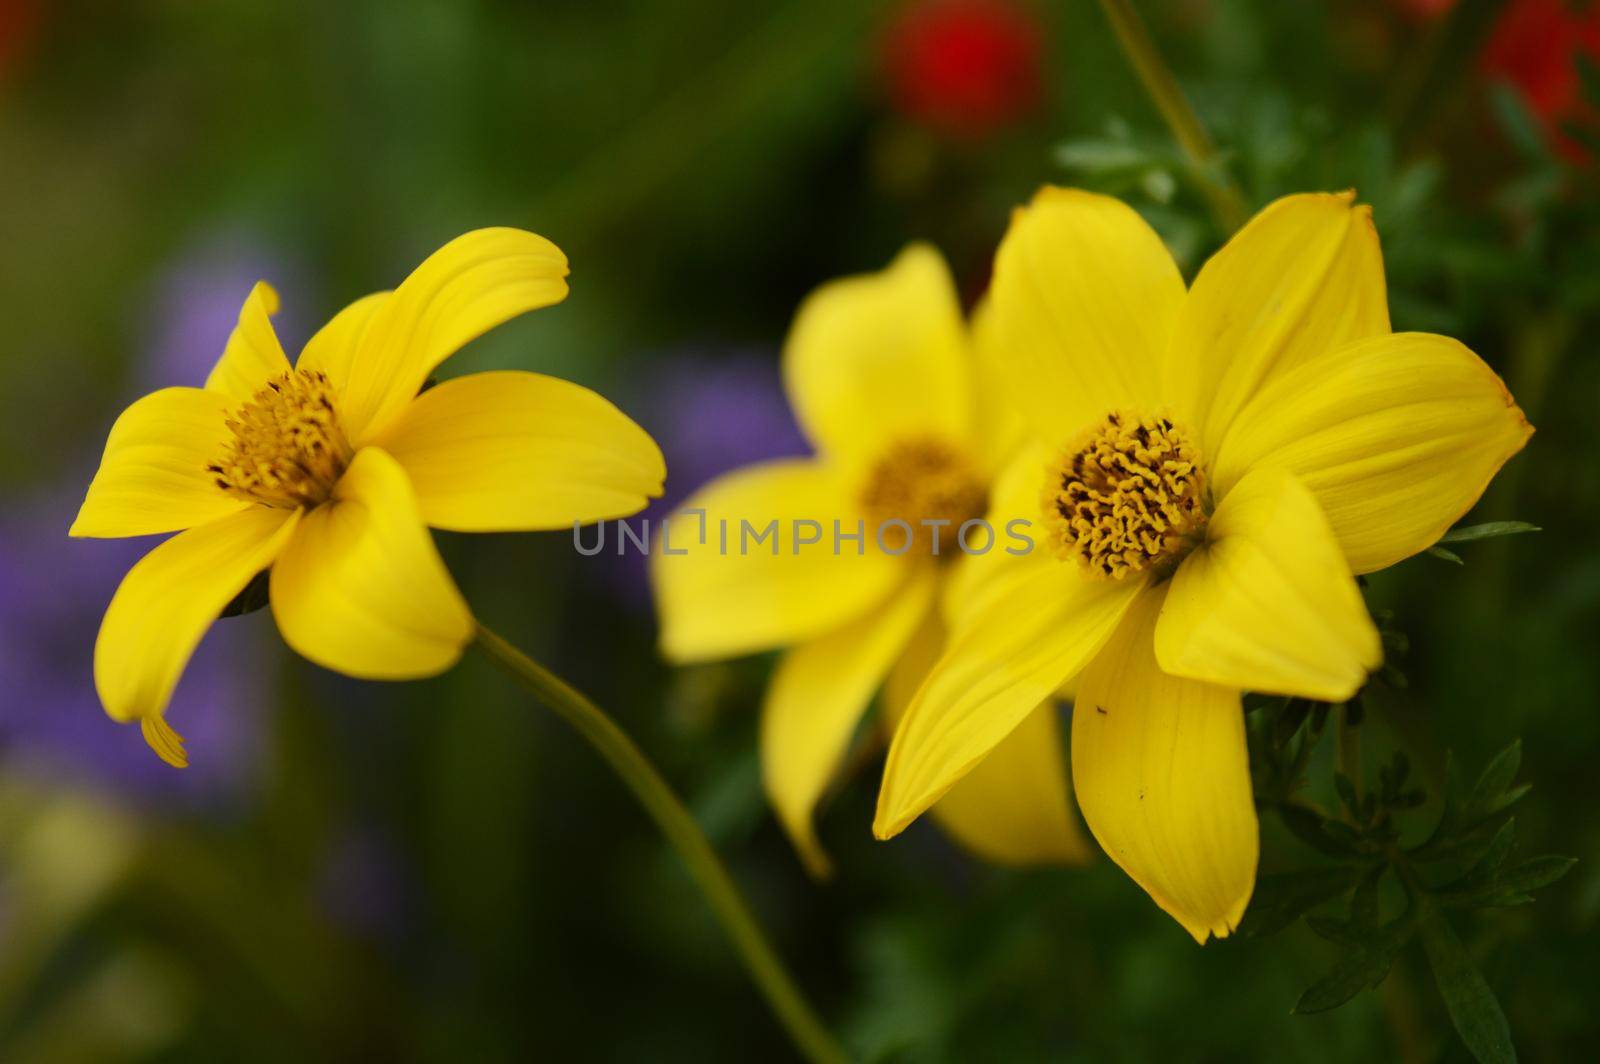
x: 1333, y: 930
x: 1507, y: 799
x: 1343, y: 834
x: 1496, y: 777
x: 1499, y: 847
x: 1355, y: 971
x: 1473, y: 1008
x: 1308, y: 826
x: 1536, y: 872
x: 1446, y: 555
x: 1465, y: 844
x: 1281, y: 898
x: 1360, y: 967
x: 1488, y: 530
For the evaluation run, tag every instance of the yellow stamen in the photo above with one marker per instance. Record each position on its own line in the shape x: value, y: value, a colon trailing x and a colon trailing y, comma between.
x: 923, y: 479
x: 1126, y: 497
x: 288, y: 449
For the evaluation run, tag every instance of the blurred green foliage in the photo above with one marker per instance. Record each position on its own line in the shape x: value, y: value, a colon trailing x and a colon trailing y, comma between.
x: 437, y: 871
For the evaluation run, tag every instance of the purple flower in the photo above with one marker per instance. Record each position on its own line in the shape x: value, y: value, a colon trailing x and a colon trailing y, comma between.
x: 53, y: 592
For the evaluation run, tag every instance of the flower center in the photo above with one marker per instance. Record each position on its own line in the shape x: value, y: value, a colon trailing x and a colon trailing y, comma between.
x: 1128, y: 496
x: 929, y: 485
x: 287, y: 450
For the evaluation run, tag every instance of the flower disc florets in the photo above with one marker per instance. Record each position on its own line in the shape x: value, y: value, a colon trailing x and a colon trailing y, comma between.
x: 1127, y: 497
x: 924, y: 480
x: 288, y: 449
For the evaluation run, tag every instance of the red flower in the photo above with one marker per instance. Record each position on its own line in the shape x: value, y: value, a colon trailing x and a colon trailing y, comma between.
x: 964, y: 67
x: 1535, y: 46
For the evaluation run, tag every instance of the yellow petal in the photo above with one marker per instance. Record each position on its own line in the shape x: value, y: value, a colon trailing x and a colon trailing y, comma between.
x: 1305, y: 276
x: 723, y: 588
x: 1011, y: 658
x: 1396, y: 436
x: 333, y: 348
x: 1268, y: 603
x: 509, y: 450
x: 1015, y: 808
x: 169, y: 599
x: 1019, y: 554
x: 878, y: 358
x: 152, y: 477
x: 817, y: 696
x: 361, y: 589
x: 1000, y: 430
x: 167, y: 743
x: 460, y: 292
x: 1082, y: 308
x: 253, y: 355
x: 1163, y: 779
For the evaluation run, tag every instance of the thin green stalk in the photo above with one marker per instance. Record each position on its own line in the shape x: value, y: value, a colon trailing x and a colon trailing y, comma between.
x: 1227, y: 205
x: 680, y: 828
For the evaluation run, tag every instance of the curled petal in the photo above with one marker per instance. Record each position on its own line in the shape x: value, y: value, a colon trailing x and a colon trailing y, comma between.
x: 361, y: 589
x: 253, y: 355
x: 472, y: 284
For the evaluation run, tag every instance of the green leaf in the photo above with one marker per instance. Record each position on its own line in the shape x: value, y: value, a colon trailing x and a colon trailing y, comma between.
x: 1489, y: 530
x: 1355, y: 971
x: 1473, y: 1009
x: 1446, y: 555
x: 1312, y: 830
x: 1341, y: 931
x: 1282, y: 898
x: 1494, y: 780
x: 1536, y: 872
x: 1499, y: 848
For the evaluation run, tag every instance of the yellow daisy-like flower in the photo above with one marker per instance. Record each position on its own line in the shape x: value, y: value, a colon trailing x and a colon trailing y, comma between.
x: 1210, y: 469
x: 880, y: 372
x: 329, y: 472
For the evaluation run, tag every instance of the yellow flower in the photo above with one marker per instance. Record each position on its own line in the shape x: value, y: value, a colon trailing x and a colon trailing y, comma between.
x: 1209, y: 469
x: 880, y: 373
x: 329, y: 473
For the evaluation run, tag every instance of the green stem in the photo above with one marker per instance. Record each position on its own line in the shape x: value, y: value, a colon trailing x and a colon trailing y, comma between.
x: 1227, y: 205
x: 680, y: 828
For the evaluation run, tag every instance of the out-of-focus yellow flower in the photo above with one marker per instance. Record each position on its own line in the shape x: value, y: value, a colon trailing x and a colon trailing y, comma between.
x: 880, y: 373
x: 1210, y: 469
x: 329, y: 473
